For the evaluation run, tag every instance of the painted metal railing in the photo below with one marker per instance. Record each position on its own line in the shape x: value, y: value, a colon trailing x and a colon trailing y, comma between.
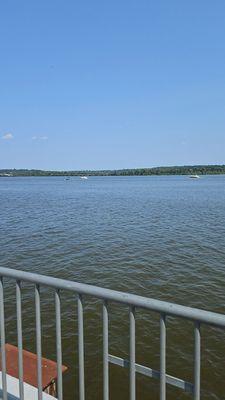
x: 164, y: 309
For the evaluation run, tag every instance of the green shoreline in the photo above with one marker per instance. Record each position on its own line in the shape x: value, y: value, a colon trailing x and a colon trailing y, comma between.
x: 176, y: 170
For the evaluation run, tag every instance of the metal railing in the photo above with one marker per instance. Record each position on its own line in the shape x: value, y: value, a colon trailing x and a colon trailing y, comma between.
x: 106, y: 295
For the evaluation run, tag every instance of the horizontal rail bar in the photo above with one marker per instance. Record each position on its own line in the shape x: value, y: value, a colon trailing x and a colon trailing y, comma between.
x: 152, y: 373
x: 159, y: 306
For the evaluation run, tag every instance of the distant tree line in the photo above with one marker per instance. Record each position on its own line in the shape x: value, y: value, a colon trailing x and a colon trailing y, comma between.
x: 176, y: 170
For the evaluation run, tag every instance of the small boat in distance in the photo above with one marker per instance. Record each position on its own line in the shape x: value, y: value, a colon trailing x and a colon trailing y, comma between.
x: 83, y: 177
x: 194, y: 176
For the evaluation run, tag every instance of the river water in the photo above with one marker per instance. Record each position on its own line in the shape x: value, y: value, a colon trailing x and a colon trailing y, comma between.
x: 160, y: 237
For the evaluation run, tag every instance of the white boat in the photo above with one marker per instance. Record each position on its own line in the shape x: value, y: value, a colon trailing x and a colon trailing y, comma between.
x: 30, y: 392
x: 194, y: 176
x: 83, y: 177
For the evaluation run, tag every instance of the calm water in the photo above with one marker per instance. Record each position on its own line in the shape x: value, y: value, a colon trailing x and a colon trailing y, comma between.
x: 161, y: 237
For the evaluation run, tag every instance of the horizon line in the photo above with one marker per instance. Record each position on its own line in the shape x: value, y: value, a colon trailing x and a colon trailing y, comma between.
x: 115, y: 169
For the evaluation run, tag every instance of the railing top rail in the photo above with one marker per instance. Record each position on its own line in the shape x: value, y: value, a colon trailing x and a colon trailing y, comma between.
x: 172, y: 309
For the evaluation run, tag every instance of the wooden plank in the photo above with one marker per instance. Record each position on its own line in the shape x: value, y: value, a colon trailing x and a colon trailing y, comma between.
x: 49, y: 367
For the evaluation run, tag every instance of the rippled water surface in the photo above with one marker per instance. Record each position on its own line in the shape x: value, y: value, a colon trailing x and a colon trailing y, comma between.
x: 161, y: 237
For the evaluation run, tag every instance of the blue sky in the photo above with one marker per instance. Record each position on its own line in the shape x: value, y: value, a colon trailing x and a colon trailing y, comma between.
x: 100, y: 84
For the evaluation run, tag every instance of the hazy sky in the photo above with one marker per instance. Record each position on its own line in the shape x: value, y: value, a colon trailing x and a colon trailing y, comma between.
x: 111, y: 84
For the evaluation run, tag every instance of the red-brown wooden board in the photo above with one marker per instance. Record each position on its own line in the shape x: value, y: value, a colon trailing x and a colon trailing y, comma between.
x: 49, y: 368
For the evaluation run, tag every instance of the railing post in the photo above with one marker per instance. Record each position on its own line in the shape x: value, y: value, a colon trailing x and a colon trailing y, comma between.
x: 132, y: 354
x: 58, y: 345
x: 19, y: 338
x: 81, y: 347
x: 162, y: 357
x: 38, y: 340
x: 2, y: 329
x: 197, y: 362
x: 105, y: 351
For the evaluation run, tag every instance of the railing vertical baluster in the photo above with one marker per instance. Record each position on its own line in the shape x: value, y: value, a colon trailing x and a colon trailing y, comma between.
x: 3, y: 355
x: 105, y: 351
x: 162, y: 357
x: 132, y: 354
x: 81, y: 348
x: 58, y: 345
x: 38, y: 340
x: 197, y: 361
x: 19, y: 338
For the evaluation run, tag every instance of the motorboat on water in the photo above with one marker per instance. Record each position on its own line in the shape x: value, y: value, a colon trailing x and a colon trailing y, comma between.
x: 83, y: 177
x: 194, y: 176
